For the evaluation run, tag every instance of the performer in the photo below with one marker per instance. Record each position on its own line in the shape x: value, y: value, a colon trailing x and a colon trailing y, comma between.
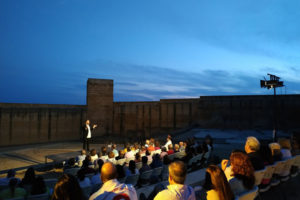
x: 87, y: 134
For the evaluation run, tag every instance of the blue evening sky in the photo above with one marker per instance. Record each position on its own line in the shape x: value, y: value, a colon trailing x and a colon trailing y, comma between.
x: 153, y: 49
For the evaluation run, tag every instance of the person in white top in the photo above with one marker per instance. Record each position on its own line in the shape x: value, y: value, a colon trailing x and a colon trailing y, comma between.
x: 177, y: 190
x: 111, y: 188
x: 87, y: 134
x: 169, y: 141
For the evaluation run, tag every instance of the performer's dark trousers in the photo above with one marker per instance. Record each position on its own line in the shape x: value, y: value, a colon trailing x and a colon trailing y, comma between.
x: 86, y: 143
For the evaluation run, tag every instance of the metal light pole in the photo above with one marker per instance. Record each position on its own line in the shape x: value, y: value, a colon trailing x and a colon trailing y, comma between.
x: 273, y: 83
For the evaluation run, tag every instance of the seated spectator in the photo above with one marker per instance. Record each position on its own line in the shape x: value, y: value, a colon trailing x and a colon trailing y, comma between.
x: 145, y: 167
x: 170, y: 149
x: 86, y: 169
x: 83, y: 180
x: 216, y: 184
x: 71, y: 164
x: 252, y: 149
x: 96, y: 178
x: 114, y: 150
x: 276, y: 151
x: 151, y: 147
x: 147, y: 143
x: 67, y: 187
x: 266, y: 155
x: 169, y: 141
x: 177, y: 189
x: 28, y: 179
x: 138, y: 158
x: 163, y: 152
x: 166, y: 160
x: 13, y: 191
x: 39, y: 186
x: 130, y: 153
x: 285, y: 148
x: 121, y: 155
x: 148, y: 154
x: 156, y: 162
x: 81, y: 157
x: 176, y: 148
x: 120, y: 171
x: 157, y: 145
x: 181, y: 146
x: 94, y: 155
x: 103, y: 156
x: 143, y: 151
x: 111, y: 188
x: 131, y: 169
x: 111, y: 157
x: 10, y: 175
x: 240, y: 174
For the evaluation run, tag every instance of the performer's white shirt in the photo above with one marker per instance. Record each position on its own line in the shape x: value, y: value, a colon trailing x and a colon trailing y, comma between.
x: 167, y: 144
x: 89, y: 135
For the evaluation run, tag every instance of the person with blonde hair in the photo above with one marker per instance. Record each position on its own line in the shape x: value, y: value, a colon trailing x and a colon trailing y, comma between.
x: 285, y: 148
x: 276, y: 151
x: 252, y: 147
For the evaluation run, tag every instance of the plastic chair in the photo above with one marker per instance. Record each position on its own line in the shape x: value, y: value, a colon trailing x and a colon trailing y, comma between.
x: 259, y: 175
x: 286, y: 169
x: 267, y: 177
x: 250, y: 195
x: 132, y: 179
x: 145, y: 177
x: 44, y: 196
x: 278, y: 169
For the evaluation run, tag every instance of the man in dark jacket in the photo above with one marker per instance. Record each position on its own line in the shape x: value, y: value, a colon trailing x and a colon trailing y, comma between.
x: 87, y: 134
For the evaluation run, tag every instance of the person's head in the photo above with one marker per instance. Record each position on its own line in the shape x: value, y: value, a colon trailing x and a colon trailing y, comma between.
x: 137, y: 156
x: 242, y: 168
x: 285, y: 143
x: 38, y: 186
x: 67, y: 188
x: 170, y: 147
x: 108, y: 172
x: 93, y: 152
x: 176, y: 147
x: 71, y: 162
x: 128, y: 149
x: 215, y: 179
x: 156, y: 157
x: 103, y: 150
x: 132, y: 166
x: 111, y: 155
x: 148, y: 153
x: 11, y: 173
x: 100, y: 164
x: 163, y: 149
x: 87, y: 122
x: 147, y: 142
x: 121, y: 153
x: 157, y: 144
x: 144, y: 160
x: 83, y: 152
x: 120, y: 171
x: 252, y: 145
x: 166, y: 160
x: 114, y: 146
x: 181, y: 144
x: 275, y: 148
x: 85, y: 163
x: 29, y: 175
x: 177, y: 172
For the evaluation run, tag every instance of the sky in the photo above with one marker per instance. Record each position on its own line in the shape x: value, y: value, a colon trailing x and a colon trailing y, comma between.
x: 152, y: 50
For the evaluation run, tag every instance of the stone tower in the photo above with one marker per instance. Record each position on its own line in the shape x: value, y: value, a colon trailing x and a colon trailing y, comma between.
x: 100, y: 105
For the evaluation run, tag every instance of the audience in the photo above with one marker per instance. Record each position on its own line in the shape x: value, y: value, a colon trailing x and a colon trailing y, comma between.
x: 275, y: 151
x: 96, y: 178
x: 94, y: 155
x: 114, y: 150
x: 86, y: 169
x: 131, y: 169
x: 216, y: 184
x: 10, y: 175
x: 111, y: 188
x: 71, y: 164
x: 156, y: 162
x: 13, y: 191
x: 177, y: 189
x: 169, y: 141
x: 145, y: 167
x: 285, y: 148
x: 67, y: 188
x: 28, y: 179
x: 81, y: 157
x: 252, y: 149
x: 240, y: 174
x: 39, y: 186
x: 83, y: 180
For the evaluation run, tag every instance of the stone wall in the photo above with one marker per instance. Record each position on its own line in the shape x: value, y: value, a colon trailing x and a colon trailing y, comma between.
x: 39, y: 123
